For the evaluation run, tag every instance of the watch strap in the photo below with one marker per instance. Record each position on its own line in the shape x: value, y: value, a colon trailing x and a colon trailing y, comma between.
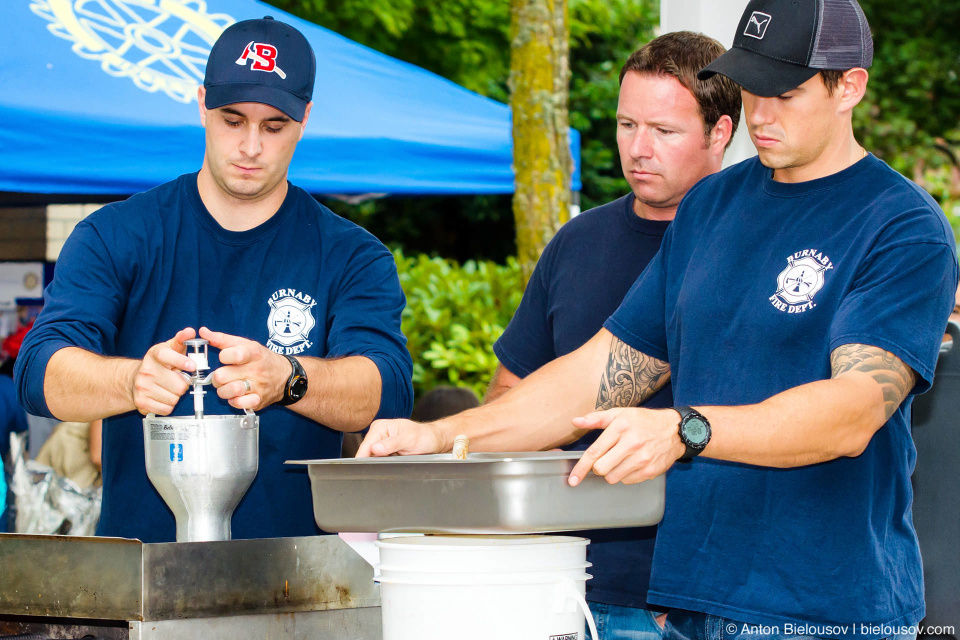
x: 693, y: 449
x: 298, y: 372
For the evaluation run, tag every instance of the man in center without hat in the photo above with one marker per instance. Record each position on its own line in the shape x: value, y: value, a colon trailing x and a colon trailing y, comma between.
x: 672, y: 130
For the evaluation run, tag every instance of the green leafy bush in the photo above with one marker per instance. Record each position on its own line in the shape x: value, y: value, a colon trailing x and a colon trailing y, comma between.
x: 454, y: 314
x: 943, y: 183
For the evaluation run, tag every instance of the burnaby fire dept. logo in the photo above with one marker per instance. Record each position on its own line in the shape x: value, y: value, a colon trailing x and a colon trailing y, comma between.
x: 800, y: 281
x: 161, y: 45
x: 290, y: 321
x: 263, y: 56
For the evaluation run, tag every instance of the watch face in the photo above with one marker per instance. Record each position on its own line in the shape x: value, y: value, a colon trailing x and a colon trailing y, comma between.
x: 695, y: 431
x: 298, y: 388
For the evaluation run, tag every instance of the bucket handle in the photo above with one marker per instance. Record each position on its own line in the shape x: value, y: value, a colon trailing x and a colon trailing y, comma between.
x: 571, y: 588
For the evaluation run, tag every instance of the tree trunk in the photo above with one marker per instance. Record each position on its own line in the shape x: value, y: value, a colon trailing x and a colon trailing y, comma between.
x: 539, y: 91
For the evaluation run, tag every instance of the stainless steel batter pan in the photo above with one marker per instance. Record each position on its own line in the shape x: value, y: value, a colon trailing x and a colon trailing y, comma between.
x: 486, y: 493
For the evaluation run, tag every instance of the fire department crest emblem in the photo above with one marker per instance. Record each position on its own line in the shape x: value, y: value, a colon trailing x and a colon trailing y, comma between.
x: 800, y: 281
x: 290, y: 321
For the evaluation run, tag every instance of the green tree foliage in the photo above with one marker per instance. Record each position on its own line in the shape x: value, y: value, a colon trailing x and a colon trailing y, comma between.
x: 912, y: 108
x: 453, y: 316
x: 468, y: 42
x: 911, y: 115
x: 909, y: 118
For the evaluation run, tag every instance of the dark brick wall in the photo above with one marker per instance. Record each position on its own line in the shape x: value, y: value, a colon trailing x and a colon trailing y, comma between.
x: 23, y: 233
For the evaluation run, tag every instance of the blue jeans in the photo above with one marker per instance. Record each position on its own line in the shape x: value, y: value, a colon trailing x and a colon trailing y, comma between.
x: 691, y: 625
x: 623, y: 623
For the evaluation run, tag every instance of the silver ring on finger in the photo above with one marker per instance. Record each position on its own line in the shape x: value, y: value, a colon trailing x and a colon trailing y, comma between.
x: 246, y: 385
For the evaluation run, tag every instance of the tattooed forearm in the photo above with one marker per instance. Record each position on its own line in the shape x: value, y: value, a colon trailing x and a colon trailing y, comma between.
x: 630, y: 377
x: 894, y: 377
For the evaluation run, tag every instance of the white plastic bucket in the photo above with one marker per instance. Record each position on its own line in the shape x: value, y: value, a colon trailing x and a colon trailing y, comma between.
x: 482, y: 587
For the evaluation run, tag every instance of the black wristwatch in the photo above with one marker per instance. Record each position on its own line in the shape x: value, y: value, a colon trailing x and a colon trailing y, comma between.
x: 296, y: 386
x: 694, y: 432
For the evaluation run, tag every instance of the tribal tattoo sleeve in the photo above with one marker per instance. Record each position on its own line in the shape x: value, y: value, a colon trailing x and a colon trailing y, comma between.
x: 630, y: 377
x: 894, y: 377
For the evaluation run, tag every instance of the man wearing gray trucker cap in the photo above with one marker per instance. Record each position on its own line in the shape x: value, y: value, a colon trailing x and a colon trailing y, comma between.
x: 797, y: 304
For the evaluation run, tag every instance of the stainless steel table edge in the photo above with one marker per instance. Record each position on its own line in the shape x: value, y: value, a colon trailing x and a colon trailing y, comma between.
x: 314, y: 573
x: 344, y: 624
x: 122, y: 579
x: 70, y: 576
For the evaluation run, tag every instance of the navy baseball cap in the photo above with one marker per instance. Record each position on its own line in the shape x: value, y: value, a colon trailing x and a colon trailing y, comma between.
x: 261, y: 61
x: 780, y: 44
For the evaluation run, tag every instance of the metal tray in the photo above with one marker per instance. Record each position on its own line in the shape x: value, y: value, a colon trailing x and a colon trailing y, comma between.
x: 487, y: 493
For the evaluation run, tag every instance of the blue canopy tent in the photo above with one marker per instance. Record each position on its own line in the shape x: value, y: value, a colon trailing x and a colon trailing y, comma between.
x: 99, y: 97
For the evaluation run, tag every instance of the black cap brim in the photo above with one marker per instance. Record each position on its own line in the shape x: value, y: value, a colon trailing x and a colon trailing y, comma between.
x: 231, y: 93
x: 760, y: 75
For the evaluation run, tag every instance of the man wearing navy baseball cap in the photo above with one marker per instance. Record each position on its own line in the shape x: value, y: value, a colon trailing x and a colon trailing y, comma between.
x: 261, y: 61
x: 302, y: 307
x: 797, y: 305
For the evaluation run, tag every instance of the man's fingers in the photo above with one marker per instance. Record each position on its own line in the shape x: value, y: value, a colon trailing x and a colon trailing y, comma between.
x: 636, y: 477
x: 632, y: 448
x: 150, y: 397
x: 373, y: 436
x: 177, y: 342
x: 248, y: 401
x: 148, y: 406
x: 166, y: 387
x: 597, y: 419
x: 390, y: 437
x: 220, y: 340
x: 612, y: 465
x: 172, y: 359
x: 233, y: 349
x: 633, y: 469
x: 163, y: 396
x: 387, y: 447
x: 237, y: 354
x: 363, y: 451
x: 588, y: 460
x: 235, y: 389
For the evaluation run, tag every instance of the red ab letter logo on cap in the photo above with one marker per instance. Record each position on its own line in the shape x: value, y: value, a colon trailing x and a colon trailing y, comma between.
x: 264, y: 57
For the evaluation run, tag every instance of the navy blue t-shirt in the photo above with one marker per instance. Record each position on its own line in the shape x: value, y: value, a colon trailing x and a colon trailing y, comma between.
x: 134, y: 273
x: 580, y: 279
x: 756, y: 284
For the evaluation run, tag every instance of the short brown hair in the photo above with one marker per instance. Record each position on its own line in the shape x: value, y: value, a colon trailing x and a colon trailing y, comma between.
x: 681, y: 55
x: 831, y: 78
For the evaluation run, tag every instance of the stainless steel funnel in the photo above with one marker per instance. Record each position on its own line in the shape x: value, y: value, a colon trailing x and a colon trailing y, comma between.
x: 201, y: 465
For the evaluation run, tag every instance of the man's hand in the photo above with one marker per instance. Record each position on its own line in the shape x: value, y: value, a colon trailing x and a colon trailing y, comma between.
x: 636, y: 445
x: 401, y: 437
x: 250, y: 376
x: 157, y: 384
